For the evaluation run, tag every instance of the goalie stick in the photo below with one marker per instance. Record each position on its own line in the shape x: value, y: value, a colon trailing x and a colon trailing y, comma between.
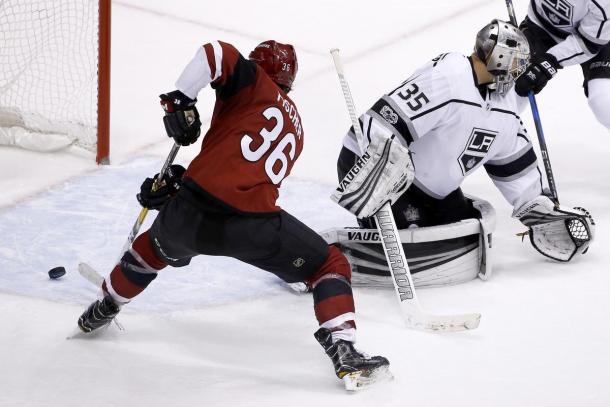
x: 412, y: 312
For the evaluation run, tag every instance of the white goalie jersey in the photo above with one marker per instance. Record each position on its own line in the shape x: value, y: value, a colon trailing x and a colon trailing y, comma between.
x: 580, y: 27
x: 452, y: 130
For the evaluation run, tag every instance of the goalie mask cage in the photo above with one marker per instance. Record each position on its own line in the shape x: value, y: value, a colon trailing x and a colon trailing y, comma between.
x: 55, y: 74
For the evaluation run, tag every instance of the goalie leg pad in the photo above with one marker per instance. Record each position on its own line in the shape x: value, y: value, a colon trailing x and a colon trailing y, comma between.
x: 382, y: 174
x: 437, y: 255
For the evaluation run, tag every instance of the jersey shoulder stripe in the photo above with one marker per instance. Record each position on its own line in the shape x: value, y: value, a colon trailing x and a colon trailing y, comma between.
x: 465, y: 102
x: 388, y: 114
x: 233, y: 71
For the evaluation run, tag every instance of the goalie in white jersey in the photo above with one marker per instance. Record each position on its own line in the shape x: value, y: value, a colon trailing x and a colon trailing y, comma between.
x: 563, y: 33
x: 455, y: 115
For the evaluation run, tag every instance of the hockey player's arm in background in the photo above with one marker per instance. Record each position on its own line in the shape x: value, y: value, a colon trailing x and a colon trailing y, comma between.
x: 592, y: 34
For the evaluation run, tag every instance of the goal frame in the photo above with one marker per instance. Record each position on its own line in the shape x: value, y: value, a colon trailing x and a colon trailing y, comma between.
x: 103, y: 94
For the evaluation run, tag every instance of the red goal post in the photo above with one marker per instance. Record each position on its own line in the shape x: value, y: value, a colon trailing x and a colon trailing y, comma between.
x: 55, y: 75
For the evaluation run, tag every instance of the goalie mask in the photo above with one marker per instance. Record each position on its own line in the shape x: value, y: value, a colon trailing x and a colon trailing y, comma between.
x: 279, y: 61
x: 505, y: 51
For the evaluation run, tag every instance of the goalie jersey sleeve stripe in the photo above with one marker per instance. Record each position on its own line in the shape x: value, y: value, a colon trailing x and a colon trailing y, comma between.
x: 513, y: 168
x: 388, y: 114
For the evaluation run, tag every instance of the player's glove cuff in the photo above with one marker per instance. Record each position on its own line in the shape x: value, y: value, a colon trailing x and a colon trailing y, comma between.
x: 548, y: 64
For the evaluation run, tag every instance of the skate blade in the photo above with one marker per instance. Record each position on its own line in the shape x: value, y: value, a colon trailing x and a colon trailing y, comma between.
x: 358, y: 380
x: 78, y: 333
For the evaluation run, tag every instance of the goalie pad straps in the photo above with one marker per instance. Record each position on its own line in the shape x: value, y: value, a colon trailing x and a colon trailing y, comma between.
x: 381, y: 174
x: 555, y: 231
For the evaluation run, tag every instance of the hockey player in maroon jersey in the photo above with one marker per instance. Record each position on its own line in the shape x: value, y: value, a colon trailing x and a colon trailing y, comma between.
x: 224, y: 203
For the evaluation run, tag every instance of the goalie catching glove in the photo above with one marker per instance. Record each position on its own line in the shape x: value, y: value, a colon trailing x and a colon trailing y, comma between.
x: 382, y: 174
x: 556, y: 231
x: 155, y: 198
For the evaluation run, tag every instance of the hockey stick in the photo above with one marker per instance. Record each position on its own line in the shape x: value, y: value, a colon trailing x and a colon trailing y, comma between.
x: 543, y: 150
x: 535, y: 113
x: 140, y: 220
x: 84, y: 268
x: 412, y: 312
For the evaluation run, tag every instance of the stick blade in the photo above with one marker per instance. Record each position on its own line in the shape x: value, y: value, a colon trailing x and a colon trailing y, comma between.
x: 90, y: 274
x: 450, y: 323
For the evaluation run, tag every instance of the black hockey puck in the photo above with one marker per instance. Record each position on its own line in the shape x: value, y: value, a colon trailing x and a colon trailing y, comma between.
x: 56, y: 272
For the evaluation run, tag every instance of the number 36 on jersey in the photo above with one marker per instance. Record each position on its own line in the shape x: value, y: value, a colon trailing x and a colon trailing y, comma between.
x: 277, y: 138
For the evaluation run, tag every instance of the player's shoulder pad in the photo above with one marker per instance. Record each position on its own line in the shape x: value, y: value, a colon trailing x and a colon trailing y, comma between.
x: 429, y: 86
x: 448, y: 64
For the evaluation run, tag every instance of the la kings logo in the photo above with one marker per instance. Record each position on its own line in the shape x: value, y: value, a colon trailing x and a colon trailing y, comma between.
x: 478, y: 146
x: 559, y: 12
x: 389, y: 115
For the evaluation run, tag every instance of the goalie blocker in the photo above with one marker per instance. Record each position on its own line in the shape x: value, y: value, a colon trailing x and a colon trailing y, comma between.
x: 437, y: 255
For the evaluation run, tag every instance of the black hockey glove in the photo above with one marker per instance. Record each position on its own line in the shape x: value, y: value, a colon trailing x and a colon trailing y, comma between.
x: 171, y: 183
x: 537, y: 75
x: 181, y: 118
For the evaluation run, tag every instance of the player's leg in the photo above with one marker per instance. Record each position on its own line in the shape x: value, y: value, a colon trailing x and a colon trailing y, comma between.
x: 301, y: 255
x: 597, y: 85
x: 170, y: 241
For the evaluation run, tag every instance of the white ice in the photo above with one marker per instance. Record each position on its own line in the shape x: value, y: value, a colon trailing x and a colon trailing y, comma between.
x: 220, y: 333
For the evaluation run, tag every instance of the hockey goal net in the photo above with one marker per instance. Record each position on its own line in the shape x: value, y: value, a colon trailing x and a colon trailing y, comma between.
x: 54, y: 74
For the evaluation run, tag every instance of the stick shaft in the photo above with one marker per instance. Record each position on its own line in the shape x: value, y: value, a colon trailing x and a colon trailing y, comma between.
x: 142, y: 215
x: 393, y: 249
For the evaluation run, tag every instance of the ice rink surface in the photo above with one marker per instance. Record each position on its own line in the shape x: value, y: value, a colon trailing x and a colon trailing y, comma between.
x: 220, y: 333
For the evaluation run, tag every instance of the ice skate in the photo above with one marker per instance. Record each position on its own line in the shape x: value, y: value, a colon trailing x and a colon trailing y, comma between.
x: 99, y: 314
x: 356, y: 369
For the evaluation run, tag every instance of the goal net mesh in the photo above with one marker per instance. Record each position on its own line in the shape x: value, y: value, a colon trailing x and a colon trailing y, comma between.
x: 48, y: 73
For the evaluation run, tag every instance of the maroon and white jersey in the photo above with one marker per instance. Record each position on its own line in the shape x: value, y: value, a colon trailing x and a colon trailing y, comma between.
x: 580, y: 27
x: 255, y: 135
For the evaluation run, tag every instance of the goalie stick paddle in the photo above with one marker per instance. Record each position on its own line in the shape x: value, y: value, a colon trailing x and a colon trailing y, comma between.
x: 412, y: 312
